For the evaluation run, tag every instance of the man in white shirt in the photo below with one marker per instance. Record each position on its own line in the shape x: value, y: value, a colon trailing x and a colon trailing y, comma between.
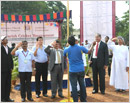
x: 87, y: 45
x: 41, y: 64
x: 26, y: 63
x: 110, y: 55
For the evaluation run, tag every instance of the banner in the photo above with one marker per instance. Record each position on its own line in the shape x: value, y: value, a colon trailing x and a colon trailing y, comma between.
x: 97, y: 18
x: 17, y: 32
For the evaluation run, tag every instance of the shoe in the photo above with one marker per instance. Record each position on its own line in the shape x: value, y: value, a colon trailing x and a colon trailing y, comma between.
x: 30, y: 99
x: 23, y: 100
x: 102, y: 92
x: 45, y: 95
x: 93, y: 92
x: 117, y: 90
x: 122, y: 90
x: 78, y: 93
x: 3, y: 100
x: 61, y: 96
x: 10, y: 100
x: 37, y: 96
x: 52, y: 97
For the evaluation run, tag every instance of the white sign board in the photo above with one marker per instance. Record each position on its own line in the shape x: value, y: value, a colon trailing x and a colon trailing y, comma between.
x: 16, y: 32
x: 97, y: 18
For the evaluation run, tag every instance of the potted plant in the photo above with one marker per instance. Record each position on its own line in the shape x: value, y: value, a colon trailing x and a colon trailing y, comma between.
x: 15, y: 72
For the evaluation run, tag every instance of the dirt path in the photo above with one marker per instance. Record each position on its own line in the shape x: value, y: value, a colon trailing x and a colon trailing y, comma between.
x: 110, y: 96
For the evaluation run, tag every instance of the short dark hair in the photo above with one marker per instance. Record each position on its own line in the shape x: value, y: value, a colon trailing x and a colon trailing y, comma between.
x: 71, y: 40
x: 107, y: 37
x: 39, y: 38
x: 57, y: 41
x: 24, y: 41
x: 86, y: 40
x: 13, y: 44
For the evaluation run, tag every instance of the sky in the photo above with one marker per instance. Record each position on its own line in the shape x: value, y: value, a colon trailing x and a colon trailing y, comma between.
x: 121, y: 7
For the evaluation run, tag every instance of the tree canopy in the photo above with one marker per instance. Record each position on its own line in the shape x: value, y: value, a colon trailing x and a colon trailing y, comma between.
x: 31, y: 7
x: 122, y: 27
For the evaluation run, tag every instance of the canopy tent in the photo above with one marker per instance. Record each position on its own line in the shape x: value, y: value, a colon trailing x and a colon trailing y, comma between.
x: 28, y: 27
x: 58, y: 16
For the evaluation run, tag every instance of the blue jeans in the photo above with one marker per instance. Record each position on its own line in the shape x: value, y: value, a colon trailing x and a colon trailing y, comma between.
x: 74, y: 77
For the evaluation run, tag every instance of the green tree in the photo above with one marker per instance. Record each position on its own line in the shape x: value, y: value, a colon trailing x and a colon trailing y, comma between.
x: 24, y: 7
x: 122, y: 27
x: 64, y: 31
x: 56, y: 6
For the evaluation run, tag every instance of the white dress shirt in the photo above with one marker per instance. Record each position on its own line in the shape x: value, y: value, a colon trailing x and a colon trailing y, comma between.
x: 87, y: 46
x: 6, y: 49
x: 94, y: 52
x: 56, y: 59
x: 22, y: 57
x: 41, y: 56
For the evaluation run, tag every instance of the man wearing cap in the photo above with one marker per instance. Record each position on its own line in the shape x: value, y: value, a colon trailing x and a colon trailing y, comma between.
x: 6, y: 69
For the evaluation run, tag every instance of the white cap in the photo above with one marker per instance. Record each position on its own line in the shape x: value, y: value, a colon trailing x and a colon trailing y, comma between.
x: 3, y: 37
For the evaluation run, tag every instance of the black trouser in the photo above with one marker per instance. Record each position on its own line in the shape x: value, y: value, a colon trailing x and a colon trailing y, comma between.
x: 109, y: 66
x: 5, y: 85
x: 25, y: 81
x: 41, y: 69
x: 98, y: 69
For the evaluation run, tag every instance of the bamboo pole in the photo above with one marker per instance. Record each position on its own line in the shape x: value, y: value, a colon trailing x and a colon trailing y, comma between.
x: 67, y: 38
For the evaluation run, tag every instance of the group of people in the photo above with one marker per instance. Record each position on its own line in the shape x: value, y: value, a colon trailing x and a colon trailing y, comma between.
x: 53, y: 58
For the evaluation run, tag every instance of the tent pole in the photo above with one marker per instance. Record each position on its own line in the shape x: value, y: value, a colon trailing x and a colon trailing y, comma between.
x: 43, y: 34
x: 25, y: 30
x: 6, y: 27
x: 67, y: 38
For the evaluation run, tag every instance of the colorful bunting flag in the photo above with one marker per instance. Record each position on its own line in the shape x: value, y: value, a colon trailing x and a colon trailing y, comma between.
x: 13, y: 17
x: 41, y: 17
x: 27, y: 18
x: 32, y: 18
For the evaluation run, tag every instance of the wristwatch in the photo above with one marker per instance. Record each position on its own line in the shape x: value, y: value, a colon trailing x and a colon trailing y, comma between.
x: 34, y: 68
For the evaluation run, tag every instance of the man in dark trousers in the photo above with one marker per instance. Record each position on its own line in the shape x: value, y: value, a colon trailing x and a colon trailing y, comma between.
x: 99, y: 64
x: 26, y: 63
x: 110, y: 56
x: 41, y: 66
x: 6, y: 69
